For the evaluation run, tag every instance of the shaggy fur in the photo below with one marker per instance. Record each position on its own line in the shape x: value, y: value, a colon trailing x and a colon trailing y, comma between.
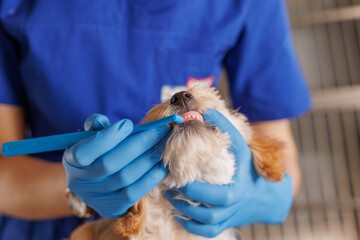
x: 195, y: 151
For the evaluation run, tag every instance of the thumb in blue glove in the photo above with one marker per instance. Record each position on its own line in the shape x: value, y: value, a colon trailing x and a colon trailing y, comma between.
x: 249, y: 199
x: 112, y: 170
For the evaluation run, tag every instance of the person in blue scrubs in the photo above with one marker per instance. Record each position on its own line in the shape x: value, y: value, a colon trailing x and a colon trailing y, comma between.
x: 62, y: 61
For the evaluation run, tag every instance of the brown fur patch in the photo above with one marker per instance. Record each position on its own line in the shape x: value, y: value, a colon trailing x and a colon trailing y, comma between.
x: 97, y: 230
x: 268, y: 157
x: 160, y: 111
x: 132, y: 222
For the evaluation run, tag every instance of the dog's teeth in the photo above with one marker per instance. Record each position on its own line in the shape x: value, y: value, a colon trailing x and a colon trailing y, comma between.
x: 192, y: 116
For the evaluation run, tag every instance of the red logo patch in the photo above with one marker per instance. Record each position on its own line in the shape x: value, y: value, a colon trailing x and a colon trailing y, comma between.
x: 200, y: 82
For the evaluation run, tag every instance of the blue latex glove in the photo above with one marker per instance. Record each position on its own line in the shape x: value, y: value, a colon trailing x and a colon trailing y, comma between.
x: 111, y: 170
x: 250, y: 199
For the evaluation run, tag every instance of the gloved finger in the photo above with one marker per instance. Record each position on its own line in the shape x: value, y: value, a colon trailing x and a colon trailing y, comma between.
x: 217, y: 119
x: 96, y: 122
x: 195, y: 227
x: 201, y: 213
x: 123, y: 154
x: 214, y: 195
x: 146, y: 183
x: 85, y: 152
x: 118, y: 202
x: 110, y: 205
x: 125, y: 177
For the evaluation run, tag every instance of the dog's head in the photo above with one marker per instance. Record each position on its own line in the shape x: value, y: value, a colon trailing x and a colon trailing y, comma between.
x: 195, y: 146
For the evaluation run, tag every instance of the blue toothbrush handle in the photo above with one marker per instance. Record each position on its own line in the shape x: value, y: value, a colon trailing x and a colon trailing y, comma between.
x: 43, y: 144
x: 63, y: 141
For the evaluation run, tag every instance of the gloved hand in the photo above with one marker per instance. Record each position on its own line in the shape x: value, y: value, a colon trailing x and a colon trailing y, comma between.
x: 111, y: 170
x: 249, y: 199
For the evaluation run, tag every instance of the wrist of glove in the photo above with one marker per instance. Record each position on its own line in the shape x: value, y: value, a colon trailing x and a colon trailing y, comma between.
x: 249, y: 199
x: 112, y: 170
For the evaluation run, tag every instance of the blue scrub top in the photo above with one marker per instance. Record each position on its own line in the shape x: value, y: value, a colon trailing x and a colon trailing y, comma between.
x: 64, y: 60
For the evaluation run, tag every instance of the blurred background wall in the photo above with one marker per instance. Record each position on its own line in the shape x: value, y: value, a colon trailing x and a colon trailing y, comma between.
x: 327, y: 39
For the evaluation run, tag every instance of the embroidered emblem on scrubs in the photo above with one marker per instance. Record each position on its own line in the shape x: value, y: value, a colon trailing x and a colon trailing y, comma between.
x: 200, y: 82
x: 167, y: 91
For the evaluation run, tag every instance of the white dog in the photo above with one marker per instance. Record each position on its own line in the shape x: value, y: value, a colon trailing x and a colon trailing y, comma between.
x: 195, y: 151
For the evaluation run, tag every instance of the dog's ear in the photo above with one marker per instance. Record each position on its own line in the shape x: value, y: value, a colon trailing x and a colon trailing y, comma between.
x: 132, y: 222
x: 267, y: 157
x: 157, y: 112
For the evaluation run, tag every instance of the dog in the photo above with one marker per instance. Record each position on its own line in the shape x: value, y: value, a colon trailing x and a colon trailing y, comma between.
x: 195, y: 151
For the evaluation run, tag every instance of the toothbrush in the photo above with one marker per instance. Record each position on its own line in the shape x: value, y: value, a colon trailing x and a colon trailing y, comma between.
x: 63, y: 141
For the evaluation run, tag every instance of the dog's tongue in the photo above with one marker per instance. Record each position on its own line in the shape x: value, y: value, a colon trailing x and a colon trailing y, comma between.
x: 192, y: 115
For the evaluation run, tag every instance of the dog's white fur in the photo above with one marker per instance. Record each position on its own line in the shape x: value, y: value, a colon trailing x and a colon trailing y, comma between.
x: 192, y: 153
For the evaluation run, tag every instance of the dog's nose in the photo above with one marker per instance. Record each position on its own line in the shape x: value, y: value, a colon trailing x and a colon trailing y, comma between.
x: 181, y: 98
